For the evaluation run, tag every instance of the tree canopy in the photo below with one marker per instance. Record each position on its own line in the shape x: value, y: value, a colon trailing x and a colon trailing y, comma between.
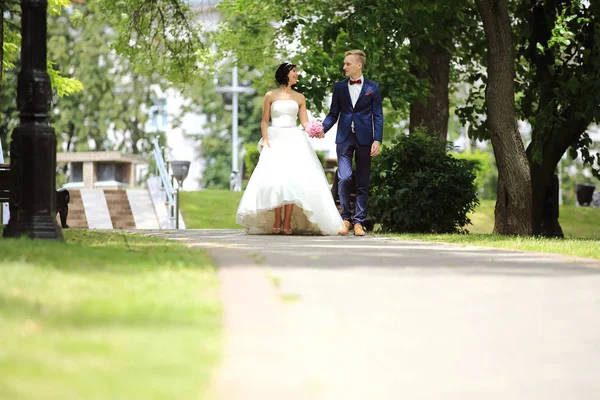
x: 556, y: 64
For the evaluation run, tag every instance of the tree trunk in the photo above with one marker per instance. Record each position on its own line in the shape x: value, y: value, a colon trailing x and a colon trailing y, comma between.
x: 432, y: 112
x: 513, y: 205
x: 544, y: 217
x: 544, y: 185
x: 544, y: 189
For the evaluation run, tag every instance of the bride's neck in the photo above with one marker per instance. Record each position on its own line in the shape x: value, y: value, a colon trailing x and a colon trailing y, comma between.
x: 285, y: 88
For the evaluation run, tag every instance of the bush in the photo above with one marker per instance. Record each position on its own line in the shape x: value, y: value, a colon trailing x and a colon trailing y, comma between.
x: 417, y: 187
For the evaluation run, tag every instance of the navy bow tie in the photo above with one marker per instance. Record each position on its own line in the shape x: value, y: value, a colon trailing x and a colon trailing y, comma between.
x: 356, y: 81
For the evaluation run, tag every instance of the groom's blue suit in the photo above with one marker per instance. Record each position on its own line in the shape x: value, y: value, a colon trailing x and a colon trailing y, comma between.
x: 367, y: 116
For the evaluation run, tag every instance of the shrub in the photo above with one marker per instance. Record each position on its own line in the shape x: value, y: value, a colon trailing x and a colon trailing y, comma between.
x: 417, y: 187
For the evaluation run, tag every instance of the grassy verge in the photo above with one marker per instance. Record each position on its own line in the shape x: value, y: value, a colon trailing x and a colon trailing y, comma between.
x: 573, y: 247
x: 210, y: 209
x: 576, y: 222
x: 215, y: 209
x: 106, y: 316
x: 581, y: 226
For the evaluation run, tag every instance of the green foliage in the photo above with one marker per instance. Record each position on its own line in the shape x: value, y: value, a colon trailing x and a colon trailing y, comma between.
x: 383, y: 29
x: 215, y: 142
x: 557, y: 85
x: 484, y: 164
x: 115, y: 100
x: 417, y: 187
x: 321, y: 157
x: 251, y: 158
x: 157, y: 37
x: 11, y: 45
x: 9, y: 115
x: 63, y: 85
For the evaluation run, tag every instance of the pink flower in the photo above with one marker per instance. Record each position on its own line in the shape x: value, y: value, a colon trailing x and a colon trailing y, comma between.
x: 314, y: 129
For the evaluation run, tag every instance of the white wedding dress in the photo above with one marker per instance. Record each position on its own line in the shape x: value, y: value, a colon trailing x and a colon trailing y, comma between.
x: 288, y: 172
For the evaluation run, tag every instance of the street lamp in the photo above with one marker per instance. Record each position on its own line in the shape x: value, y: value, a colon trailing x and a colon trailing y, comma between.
x: 33, y: 145
x: 234, y: 90
x: 180, y: 171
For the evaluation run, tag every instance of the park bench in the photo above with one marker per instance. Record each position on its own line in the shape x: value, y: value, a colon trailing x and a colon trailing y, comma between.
x: 4, y: 182
x: 62, y: 195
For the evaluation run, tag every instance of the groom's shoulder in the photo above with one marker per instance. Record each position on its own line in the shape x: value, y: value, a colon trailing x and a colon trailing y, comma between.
x: 371, y: 82
x: 340, y: 83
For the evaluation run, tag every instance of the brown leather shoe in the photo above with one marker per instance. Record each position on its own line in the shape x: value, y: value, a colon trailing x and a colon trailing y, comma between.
x: 346, y: 228
x: 359, y: 230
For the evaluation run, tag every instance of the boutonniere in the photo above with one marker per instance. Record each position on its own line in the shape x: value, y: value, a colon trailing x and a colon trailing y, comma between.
x: 369, y: 93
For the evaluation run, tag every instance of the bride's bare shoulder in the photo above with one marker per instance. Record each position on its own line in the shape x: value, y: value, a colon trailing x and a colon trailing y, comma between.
x: 270, y: 97
x: 299, y: 97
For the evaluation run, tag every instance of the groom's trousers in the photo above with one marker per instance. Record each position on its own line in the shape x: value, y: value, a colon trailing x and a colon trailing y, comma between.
x: 346, y: 150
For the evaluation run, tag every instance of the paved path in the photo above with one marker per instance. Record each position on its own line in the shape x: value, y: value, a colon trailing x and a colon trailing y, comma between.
x: 341, y: 318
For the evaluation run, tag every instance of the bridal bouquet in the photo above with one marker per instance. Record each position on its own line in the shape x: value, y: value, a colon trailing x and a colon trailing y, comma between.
x: 314, y: 129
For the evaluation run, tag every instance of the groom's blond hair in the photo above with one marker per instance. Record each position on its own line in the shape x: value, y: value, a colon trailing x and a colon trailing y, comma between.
x: 362, y: 58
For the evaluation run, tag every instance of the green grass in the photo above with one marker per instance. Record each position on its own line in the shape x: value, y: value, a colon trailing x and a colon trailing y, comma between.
x: 576, y: 222
x: 570, y: 246
x: 581, y: 226
x: 215, y: 209
x: 210, y: 209
x: 106, y: 316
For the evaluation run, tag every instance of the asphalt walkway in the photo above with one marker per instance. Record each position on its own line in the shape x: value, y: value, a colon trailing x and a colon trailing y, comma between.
x: 342, y: 318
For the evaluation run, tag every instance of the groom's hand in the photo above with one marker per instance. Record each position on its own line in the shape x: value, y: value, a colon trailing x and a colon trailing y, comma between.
x: 375, y: 149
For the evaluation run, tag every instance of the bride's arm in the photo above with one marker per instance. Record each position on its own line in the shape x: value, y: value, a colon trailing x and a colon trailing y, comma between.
x: 302, y: 114
x: 266, y: 116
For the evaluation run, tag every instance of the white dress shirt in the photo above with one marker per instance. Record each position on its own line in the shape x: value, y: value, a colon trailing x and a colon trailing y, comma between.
x: 355, y: 89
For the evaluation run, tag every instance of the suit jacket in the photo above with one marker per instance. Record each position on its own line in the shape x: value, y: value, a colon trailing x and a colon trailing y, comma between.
x: 367, y: 114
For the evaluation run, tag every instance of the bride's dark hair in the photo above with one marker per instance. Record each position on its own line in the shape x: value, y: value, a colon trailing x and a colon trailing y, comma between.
x: 281, y: 75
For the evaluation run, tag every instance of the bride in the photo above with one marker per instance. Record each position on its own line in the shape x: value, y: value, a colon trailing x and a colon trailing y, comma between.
x: 288, y: 179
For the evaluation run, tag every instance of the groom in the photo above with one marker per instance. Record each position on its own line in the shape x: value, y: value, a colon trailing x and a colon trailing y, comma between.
x: 356, y: 107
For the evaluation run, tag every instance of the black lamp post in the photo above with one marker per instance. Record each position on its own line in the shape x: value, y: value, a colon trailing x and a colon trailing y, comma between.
x: 33, y: 146
x: 180, y: 171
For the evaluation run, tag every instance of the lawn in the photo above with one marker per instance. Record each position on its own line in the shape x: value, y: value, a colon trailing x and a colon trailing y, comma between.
x: 576, y: 222
x: 569, y: 246
x: 210, y: 209
x: 581, y: 226
x: 215, y: 209
x: 107, y: 316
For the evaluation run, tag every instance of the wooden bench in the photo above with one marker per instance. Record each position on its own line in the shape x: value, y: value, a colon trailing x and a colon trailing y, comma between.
x: 4, y: 182
x: 62, y: 195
